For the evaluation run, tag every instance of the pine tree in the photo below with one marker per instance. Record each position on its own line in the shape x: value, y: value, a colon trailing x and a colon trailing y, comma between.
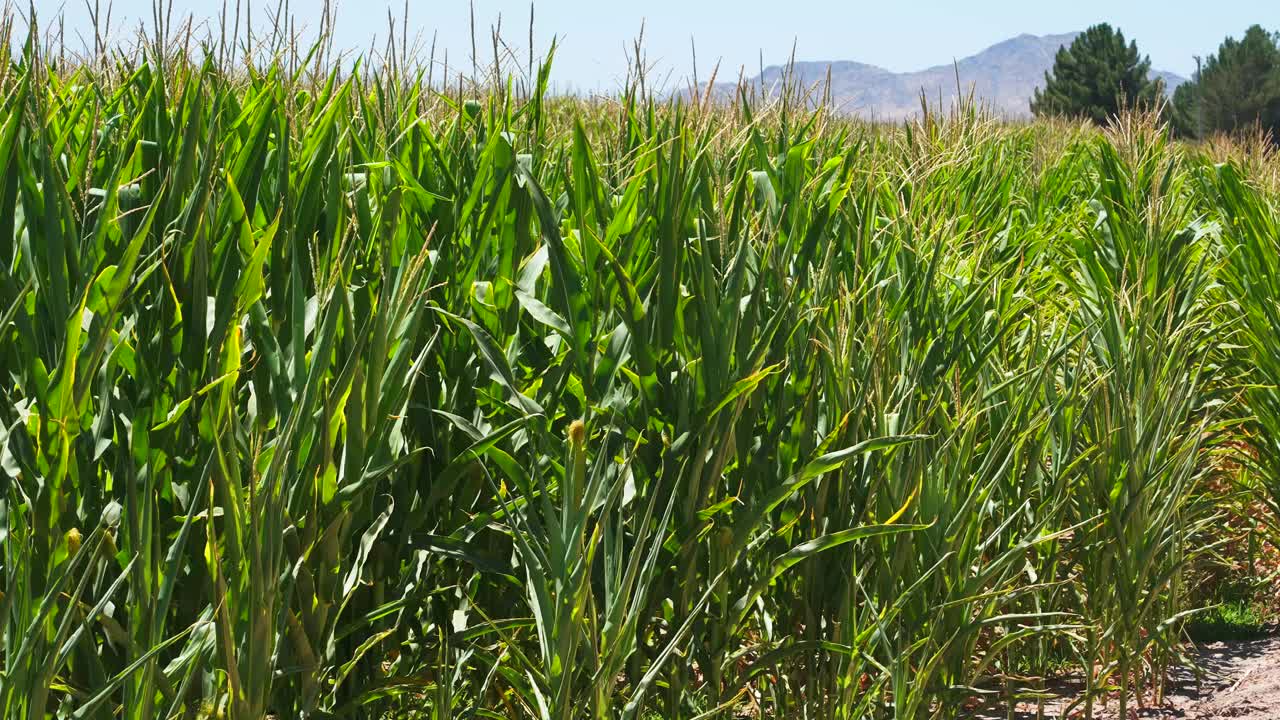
x: 1238, y: 87
x: 1095, y: 77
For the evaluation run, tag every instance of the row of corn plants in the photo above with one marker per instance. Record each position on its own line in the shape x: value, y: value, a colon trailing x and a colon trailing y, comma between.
x: 329, y: 392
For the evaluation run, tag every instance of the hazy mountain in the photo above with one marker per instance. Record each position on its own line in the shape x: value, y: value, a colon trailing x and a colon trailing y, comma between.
x: 1171, y: 80
x: 1003, y: 76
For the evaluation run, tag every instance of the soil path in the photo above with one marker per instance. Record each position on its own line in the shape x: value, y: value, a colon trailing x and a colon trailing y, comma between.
x: 1240, y: 681
x: 1246, y: 686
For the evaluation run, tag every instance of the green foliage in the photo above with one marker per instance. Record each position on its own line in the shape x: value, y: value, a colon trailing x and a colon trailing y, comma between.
x: 1238, y: 88
x: 1228, y: 621
x: 1096, y: 77
x: 336, y: 395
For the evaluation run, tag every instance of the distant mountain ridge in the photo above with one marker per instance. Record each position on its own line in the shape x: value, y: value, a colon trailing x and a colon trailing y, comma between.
x: 1002, y: 76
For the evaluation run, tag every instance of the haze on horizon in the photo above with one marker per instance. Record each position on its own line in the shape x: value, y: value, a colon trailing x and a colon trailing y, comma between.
x: 596, y: 39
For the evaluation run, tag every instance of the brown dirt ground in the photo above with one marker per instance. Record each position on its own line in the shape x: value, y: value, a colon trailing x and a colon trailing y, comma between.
x: 1240, y: 680
x: 1251, y: 686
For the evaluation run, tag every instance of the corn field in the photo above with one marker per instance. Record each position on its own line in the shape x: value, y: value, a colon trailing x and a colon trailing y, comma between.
x: 329, y: 391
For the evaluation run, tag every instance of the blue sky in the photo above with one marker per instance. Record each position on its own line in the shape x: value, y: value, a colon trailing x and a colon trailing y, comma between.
x: 596, y: 35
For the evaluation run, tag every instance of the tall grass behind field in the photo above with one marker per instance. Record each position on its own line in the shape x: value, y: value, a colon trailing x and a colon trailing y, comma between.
x: 342, y: 396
